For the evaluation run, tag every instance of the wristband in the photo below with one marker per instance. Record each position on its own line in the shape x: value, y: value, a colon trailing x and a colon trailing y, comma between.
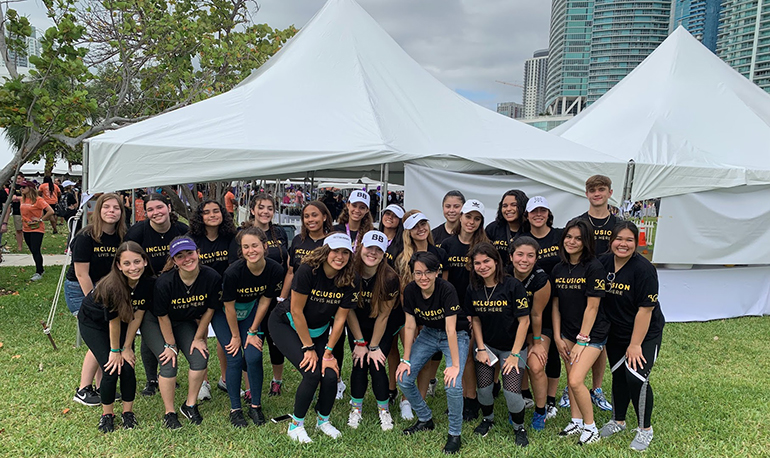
x: 250, y: 333
x: 308, y: 348
x: 480, y: 349
x: 171, y: 346
x: 536, y: 337
x: 406, y: 361
x: 363, y: 343
x: 374, y: 348
x: 358, y: 341
x: 280, y: 299
x: 329, y: 359
x: 583, y: 344
x: 583, y: 338
x: 328, y: 348
x: 116, y: 350
x: 518, y: 355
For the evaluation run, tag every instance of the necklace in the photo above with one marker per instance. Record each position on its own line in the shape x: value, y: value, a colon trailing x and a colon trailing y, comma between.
x: 490, y: 294
x: 606, y: 220
x: 188, y: 288
x: 571, y: 267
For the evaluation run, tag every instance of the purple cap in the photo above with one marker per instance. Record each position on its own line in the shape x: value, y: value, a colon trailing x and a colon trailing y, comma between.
x: 181, y: 245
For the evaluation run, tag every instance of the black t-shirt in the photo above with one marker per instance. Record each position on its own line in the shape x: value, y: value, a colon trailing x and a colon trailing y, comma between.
x: 602, y: 231
x: 141, y: 299
x: 364, y: 305
x: 548, y: 254
x: 574, y: 285
x: 3, y: 197
x: 433, y: 311
x: 277, y: 246
x: 99, y: 256
x: 245, y: 288
x: 344, y: 229
x: 394, y: 249
x: 154, y: 243
x: 535, y: 281
x: 299, y: 248
x: 216, y: 253
x: 440, y: 234
x: 457, y: 262
x: 635, y: 285
x: 186, y: 303
x: 500, y: 236
x: 500, y: 311
x: 16, y: 206
x: 324, y: 298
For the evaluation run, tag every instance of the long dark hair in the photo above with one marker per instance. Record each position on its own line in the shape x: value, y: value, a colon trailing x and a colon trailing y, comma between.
x: 366, y: 223
x: 521, y: 206
x: 172, y: 216
x: 95, y: 227
x: 487, y: 249
x: 479, y: 235
x: 198, y: 228
x: 113, y: 290
x: 399, y: 229
x: 586, y: 235
x: 251, y: 222
x: 303, y: 233
x: 317, y: 258
x: 384, y: 275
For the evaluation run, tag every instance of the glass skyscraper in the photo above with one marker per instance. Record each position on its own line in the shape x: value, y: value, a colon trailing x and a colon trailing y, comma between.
x: 700, y: 18
x: 744, y: 39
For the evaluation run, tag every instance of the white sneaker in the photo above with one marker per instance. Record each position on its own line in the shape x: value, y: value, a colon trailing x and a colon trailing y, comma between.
x: 589, y: 436
x: 299, y: 435
x: 354, y: 419
x: 550, y: 412
x: 340, y: 389
x: 529, y: 403
x: 406, y: 410
x: 204, y: 394
x: 386, y: 421
x: 36, y: 277
x: 327, y: 428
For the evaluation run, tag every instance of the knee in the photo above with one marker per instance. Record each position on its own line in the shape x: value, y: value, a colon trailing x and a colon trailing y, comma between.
x: 575, y: 381
x: 535, y: 367
x: 167, y: 370
x: 199, y: 363
x: 514, y: 401
x: 313, y: 377
x: 456, y: 390
x: 253, y: 356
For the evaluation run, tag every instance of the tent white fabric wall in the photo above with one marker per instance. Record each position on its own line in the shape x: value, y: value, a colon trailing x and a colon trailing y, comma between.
x: 61, y: 167
x: 340, y: 95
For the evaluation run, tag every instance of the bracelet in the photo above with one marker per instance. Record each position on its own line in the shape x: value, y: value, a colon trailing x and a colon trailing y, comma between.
x: 280, y: 299
x: 171, y: 346
x: 328, y: 348
x: 116, y: 350
x: 329, y: 359
x: 583, y: 338
x: 250, y: 333
x: 308, y: 348
x: 406, y: 361
x: 583, y: 344
x: 358, y: 341
x: 480, y: 349
x: 363, y: 343
x: 536, y: 337
x: 374, y: 348
x: 518, y: 355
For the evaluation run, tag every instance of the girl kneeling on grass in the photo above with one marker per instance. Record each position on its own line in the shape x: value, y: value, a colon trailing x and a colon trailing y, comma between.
x: 186, y: 296
x: 324, y: 288
x: 580, y: 326
x: 636, y: 330
x: 248, y: 287
x: 371, y: 327
x: 432, y: 302
x: 500, y: 310
x: 108, y: 319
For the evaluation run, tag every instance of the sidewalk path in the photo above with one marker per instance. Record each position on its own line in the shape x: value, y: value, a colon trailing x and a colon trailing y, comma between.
x: 20, y: 260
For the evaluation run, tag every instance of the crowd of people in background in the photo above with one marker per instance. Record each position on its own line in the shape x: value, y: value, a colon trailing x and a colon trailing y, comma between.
x: 501, y: 302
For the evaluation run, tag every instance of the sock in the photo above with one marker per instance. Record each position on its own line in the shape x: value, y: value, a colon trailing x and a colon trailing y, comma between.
x: 322, y: 419
x: 383, y: 405
x: 551, y: 400
x: 393, y: 394
x: 527, y: 394
x: 590, y: 426
x: 578, y: 421
x: 278, y: 381
x: 517, y: 419
x: 296, y: 422
x: 540, y: 410
x: 488, y: 411
x: 356, y: 403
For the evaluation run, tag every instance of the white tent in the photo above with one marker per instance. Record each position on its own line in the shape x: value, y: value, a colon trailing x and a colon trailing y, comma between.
x: 341, y: 95
x: 689, y: 121
x: 61, y: 167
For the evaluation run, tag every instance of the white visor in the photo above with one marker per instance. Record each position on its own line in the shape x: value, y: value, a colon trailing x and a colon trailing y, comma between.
x: 395, y: 209
x: 336, y: 241
x: 412, y: 221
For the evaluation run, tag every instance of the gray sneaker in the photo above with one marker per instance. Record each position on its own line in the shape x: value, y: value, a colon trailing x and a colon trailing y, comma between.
x: 642, y: 439
x: 37, y: 277
x: 610, y: 428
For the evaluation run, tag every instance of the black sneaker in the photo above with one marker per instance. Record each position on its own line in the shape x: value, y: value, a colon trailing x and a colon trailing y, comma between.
x: 107, y: 423
x: 99, y: 393
x: 129, y: 420
x: 521, y: 437
x: 452, y: 445
x: 150, y: 388
x: 256, y: 415
x: 171, y: 421
x: 87, y: 396
x: 392, y: 396
x: 191, y: 413
x: 420, y: 426
x: 483, y: 428
x: 471, y: 409
x: 237, y: 420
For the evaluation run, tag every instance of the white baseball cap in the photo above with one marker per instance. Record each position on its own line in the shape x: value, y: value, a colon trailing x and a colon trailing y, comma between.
x: 537, y: 202
x: 473, y: 205
x: 412, y: 221
x: 397, y: 210
x: 375, y: 238
x: 339, y: 240
x: 68, y: 183
x: 359, y: 196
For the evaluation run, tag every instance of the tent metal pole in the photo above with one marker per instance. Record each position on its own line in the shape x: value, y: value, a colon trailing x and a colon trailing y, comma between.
x: 133, y: 206
x: 384, y: 189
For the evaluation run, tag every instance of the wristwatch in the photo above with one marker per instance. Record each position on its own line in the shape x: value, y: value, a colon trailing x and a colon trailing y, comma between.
x: 374, y: 348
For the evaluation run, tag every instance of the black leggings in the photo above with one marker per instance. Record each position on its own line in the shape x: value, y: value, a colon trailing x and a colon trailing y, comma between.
x: 339, y: 349
x: 34, y: 242
x: 276, y: 357
x: 149, y: 361
x: 359, y: 376
x: 629, y: 385
x: 97, y: 337
x: 288, y: 342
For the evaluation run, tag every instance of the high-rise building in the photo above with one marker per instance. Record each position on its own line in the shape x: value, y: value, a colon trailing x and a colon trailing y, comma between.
x: 623, y: 34
x: 535, y: 78
x: 511, y: 109
x: 23, y: 66
x: 700, y: 18
x: 568, y: 56
x: 744, y: 39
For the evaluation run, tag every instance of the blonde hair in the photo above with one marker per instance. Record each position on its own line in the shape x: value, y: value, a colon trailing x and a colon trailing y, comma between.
x: 410, y: 247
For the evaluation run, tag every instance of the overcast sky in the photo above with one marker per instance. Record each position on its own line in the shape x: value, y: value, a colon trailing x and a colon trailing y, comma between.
x: 466, y: 44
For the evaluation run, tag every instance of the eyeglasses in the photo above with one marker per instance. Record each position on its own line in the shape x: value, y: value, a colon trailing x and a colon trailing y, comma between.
x: 427, y: 273
x: 610, y: 279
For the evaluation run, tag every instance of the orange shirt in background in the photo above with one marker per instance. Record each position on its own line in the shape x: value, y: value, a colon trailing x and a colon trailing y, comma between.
x: 51, y: 197
x: 230, y: 202
x: 33, y: 212
x: 139, y: 214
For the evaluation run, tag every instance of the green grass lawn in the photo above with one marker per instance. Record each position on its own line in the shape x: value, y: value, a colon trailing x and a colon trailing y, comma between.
x: 710, y: 400
x: 52, y: 243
